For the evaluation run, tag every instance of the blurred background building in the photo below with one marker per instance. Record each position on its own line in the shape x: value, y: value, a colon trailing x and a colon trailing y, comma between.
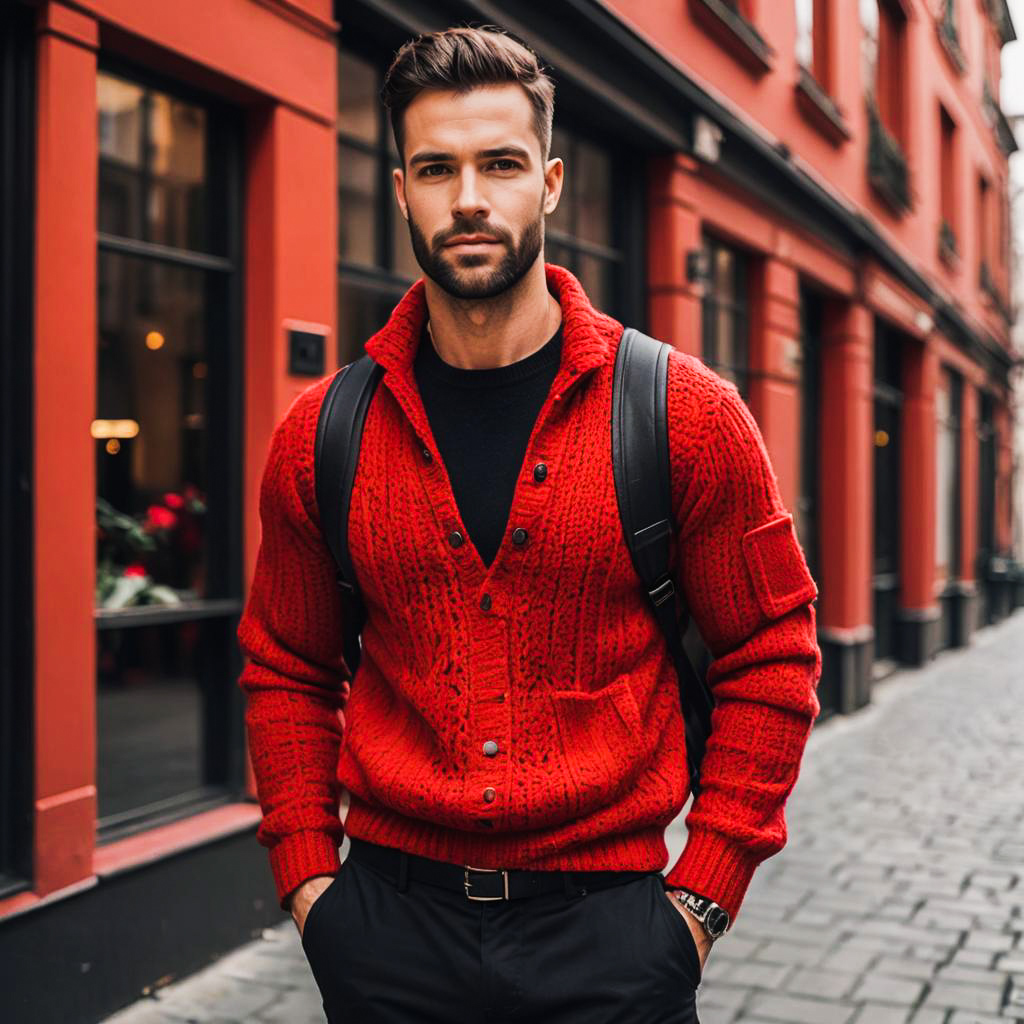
x: 197, y: 221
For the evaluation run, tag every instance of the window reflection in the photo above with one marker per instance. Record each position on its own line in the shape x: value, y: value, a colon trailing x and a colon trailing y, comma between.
x: 150, y: 433
x: 152, y: 166
x: 725, y: 313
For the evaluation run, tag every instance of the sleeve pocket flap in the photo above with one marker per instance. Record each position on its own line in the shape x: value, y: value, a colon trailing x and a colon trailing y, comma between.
x: 777, y: 566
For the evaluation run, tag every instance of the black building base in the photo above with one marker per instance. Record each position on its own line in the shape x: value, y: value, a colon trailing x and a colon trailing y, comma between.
x: 84, y: 957
x: 846, y: 657
x: 959, y: 603
x: 920, y: 634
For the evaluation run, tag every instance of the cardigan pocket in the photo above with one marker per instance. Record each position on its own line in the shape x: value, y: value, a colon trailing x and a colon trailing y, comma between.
x: 599, y: 732
x: 777, y: 567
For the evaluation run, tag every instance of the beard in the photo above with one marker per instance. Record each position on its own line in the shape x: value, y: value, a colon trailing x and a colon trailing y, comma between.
x: 519, y: 257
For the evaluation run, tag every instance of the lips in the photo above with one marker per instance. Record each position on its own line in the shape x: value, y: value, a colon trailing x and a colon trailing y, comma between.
x: 470, y: 240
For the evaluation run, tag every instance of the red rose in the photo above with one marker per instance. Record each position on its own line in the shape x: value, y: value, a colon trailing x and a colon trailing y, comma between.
x: 172, y: 500
x: 160, y: 518
x: 135, y: 569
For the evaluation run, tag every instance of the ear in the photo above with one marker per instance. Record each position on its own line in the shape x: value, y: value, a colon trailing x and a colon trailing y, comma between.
x: 554, y: 176
x: 398, y: 178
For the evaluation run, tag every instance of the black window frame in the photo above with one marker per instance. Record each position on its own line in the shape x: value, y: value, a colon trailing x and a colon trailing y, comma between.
x: 711, y: 303
x: 223, y: 751
x: 17, y: 444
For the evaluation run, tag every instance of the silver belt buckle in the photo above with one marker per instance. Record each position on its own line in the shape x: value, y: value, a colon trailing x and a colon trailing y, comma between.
x: 489, y: 871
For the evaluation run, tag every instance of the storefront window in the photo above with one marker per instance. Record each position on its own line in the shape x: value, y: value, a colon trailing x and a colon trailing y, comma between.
x: 725, y: 313
x: 166, y: 438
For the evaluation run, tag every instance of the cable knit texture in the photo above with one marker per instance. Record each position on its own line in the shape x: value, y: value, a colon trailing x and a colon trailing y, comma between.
x: 552, y: 651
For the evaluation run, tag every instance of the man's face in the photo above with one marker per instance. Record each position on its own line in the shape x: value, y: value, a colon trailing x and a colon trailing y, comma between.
x: 475, y: 189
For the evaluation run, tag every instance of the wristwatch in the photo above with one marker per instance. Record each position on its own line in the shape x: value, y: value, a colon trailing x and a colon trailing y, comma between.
x: 712, y: 917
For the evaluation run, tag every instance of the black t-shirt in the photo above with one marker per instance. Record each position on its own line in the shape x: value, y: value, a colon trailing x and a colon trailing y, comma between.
x: 482, y: 421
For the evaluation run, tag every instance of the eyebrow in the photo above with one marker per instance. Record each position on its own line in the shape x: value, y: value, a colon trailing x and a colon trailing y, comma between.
x: 483, y: 154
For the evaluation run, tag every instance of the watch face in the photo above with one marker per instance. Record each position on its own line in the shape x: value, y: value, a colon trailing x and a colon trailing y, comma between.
x: 716, y: 922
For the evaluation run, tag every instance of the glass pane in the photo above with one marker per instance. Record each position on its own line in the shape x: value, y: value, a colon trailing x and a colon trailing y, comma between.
x: 403, y: 259
x: 120, y: 116
x: 592, y: 178
x: 805, y: 32
x: 595, y: 275
x: 152, y: 172
x: 362, y: 312
x: 149, y: 715
x: 555, y: 252
x: 150, y: 433
x: 725, y: 275
x: 176, y: 201
x: 357, y: 219
x: 869, y: 45
x: 358, y: 103
x: 561, y: 219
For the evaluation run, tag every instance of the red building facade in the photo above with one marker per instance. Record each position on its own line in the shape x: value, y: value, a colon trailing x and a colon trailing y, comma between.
x: 197, y: 223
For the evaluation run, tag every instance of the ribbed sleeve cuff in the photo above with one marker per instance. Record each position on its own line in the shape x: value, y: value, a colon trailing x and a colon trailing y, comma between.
x: 299, y: 857
x: 715, y: 867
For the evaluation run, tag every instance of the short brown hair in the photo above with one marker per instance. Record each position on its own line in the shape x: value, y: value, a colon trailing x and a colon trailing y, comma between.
x: 461, y: 59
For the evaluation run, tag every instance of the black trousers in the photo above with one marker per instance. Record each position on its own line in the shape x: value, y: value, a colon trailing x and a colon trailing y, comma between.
x: 429, y: 955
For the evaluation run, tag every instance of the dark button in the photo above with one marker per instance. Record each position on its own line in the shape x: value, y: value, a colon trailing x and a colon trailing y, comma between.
x: 489, y: 795
x: 490, y: 748
x: 455, y: 539
x: 485, y: 601
x: 426, y: 455
x: 519, y: 536
x: 540, y: 472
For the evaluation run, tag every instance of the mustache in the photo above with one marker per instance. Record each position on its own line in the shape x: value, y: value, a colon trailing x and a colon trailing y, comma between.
x: 471, y: 227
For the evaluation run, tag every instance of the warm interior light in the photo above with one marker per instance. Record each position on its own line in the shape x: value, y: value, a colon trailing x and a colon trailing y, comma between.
x: 113, y: 446
x: 101, y: 429
x: 154, y: 340
x: 881, y: 438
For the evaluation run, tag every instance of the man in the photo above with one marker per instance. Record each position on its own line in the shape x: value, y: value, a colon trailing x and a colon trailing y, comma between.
x: 512, y: 747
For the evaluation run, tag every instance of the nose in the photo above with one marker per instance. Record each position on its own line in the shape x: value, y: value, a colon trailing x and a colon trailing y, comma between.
x: 469, y: 201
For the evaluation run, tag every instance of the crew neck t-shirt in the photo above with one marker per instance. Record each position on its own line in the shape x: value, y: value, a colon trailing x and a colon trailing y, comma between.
x: 482, y: 421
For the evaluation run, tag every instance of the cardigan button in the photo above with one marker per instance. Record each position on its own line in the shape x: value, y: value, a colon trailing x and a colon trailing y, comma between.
x: 540, y: 472
x: 485, y: 602
x: 427, y: 457
x: 489, y: 795
x: 490, y: 748
x: 519, y: 536
x: 455, y: 539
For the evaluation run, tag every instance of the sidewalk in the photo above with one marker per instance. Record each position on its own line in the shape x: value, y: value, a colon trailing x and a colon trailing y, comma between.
x: 897, y: 900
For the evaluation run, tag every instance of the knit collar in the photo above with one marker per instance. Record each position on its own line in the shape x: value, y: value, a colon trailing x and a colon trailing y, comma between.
x: 588, y: 336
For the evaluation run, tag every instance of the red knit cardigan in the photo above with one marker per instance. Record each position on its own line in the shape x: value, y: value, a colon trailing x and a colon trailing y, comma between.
x: 552, y: 652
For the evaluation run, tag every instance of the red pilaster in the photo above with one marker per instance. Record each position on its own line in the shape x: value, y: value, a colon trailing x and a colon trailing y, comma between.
x: 775, y: 372
x: 291, y: 255
x: 65, y: 337
x: 673, y: 230
x: 847, y: 481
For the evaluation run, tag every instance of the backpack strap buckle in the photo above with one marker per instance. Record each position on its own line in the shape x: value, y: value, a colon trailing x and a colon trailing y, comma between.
x: 664, y: 590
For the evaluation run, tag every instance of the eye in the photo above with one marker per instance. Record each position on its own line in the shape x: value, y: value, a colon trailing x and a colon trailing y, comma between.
x: 507, y: 164
x: 429, y: 169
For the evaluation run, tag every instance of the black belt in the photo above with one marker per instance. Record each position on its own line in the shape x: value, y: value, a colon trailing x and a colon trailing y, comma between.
x: 484, y: 884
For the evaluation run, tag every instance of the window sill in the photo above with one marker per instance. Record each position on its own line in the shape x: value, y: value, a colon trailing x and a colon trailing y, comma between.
x: 735, y: 34
x: 888, y: 173
x: 164, y: 614
x: 820, y: 109
x: 142, y: 849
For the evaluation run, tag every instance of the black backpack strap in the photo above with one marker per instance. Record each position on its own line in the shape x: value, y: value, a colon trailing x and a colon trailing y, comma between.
x: 640, y: 459
x: 339, y: 433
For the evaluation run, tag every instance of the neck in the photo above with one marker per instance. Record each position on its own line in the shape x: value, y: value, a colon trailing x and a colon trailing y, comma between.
x: 487, y: 333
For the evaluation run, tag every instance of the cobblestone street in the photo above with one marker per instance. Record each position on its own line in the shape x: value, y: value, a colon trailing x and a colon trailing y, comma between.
x: 898, y: 899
